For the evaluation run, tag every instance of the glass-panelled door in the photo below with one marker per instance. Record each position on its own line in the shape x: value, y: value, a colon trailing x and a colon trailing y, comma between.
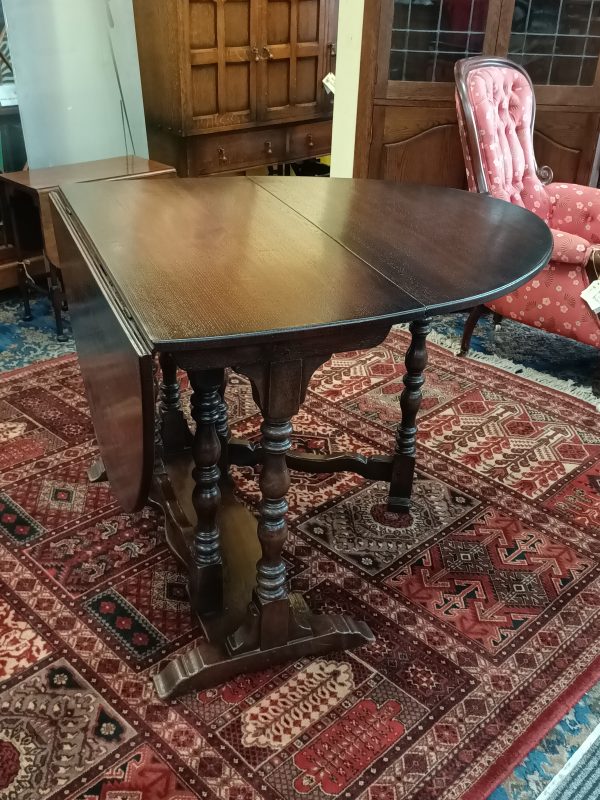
x: 429, y: 36
x: 412, y: 132
x: 558, y: 43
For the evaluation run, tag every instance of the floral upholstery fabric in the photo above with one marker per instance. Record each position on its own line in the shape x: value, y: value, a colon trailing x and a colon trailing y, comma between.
x: 501, y: 100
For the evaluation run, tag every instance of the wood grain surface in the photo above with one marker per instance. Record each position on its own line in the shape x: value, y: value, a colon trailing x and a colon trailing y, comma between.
x: 39, y: 180
x: 199, y: 260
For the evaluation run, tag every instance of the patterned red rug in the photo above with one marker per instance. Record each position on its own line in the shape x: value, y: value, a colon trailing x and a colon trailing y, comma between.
x: 484, y: 602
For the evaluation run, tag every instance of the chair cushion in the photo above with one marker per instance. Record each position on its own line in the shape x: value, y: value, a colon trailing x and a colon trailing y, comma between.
x: 502, y: 104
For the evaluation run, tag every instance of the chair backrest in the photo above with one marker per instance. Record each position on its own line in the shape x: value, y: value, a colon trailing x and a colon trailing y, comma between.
x: 496, y: 113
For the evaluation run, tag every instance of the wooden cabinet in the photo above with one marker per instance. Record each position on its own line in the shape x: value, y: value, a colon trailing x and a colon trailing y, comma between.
x: 226, y: 81
x: 407, y: 128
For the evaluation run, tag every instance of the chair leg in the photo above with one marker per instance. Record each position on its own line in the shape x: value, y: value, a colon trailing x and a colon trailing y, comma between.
x: 56, y: 298
x: 596, y: 377
x: 472, y: 320
x: 497, y: 320
x: 24, y: 290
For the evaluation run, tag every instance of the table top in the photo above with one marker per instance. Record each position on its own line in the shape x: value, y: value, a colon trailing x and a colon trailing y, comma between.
x: 42, y: 180
x: 218, y: 259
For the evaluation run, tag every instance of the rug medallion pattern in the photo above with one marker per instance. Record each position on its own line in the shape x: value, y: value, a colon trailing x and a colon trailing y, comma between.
x: 484, y: 600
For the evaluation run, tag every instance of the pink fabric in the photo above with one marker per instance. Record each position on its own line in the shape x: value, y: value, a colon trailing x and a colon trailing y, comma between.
x: 502, y: 102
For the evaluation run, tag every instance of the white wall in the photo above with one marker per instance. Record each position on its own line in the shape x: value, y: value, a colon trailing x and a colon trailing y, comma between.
x: 66, y: 84
x: 347, y: 73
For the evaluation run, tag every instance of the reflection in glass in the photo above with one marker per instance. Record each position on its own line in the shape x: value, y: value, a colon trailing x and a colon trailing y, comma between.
x: 557, y: 41
x: 429, y: 36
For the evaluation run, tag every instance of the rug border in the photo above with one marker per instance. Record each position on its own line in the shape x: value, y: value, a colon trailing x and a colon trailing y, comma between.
x: 494, y: 776
x: 35, y: 365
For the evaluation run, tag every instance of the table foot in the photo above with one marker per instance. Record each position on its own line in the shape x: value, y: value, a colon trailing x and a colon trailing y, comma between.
x: 399, y: 505
x: 210, y: 663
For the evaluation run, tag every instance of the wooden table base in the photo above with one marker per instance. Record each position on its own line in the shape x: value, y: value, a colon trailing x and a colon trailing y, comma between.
x: 237, y: 633
x: 250, y: 619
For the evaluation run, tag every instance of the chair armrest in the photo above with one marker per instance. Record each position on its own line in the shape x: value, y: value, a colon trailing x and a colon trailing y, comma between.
x: 575, y: 209
x: 570, y: 248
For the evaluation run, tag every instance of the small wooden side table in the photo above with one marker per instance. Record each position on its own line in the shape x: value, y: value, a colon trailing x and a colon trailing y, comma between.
x: 25, y: 203
x: 268, y: 277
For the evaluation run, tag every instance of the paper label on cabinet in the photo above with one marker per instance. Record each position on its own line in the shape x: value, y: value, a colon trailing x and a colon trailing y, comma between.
x: 591, y: 295
x: 329, y: 83
x: 8, y: 95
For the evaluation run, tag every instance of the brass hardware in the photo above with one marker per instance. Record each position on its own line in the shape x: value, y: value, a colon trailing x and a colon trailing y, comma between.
x: 222, y: 157
x: 310, y: 141
x: 331, y: 54
x: 268, y: 53
x: 255, y: 53
x: 268, y: 148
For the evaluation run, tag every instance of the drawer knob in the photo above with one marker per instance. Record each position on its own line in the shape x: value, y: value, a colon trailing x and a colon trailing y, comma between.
x: 269, y: 148
x: 310, y: 141
x: 268, y: 53
x: 255, y: 53
x: 222, y: 157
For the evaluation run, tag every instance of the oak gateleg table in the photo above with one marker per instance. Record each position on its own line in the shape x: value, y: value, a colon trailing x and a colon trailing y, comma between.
x: 268, y: 277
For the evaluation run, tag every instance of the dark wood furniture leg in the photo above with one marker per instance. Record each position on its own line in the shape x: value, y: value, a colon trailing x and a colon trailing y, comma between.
x: 278, y: 626
x: 596, y: 377
x: 55, y: 290
x: 175, y: 433
x: 206, y: 570
x: 24, y: 291
x: 472, y: 320
x: 403, y: 466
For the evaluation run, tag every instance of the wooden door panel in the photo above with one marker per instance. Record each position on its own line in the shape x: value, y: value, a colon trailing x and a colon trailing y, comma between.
x: 238, y: 87
x: 433, y: 157
x: 204, y: 90
x: 566, y: 141
x: 278, y: 83
x: 223, y: 58
x: 203, y: 25
x: 292, y: 58
x: 237, y: 23
x: 306, y: 80
x: 417, y: 145
x: 278, y: 22
x: 308, y: 21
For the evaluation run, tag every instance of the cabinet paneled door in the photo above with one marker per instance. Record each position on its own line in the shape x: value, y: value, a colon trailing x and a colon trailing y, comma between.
x: 407, y: 128
x: 231, y: 65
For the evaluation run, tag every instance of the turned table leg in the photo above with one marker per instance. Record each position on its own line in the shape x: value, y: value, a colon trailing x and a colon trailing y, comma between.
x: 403, y: 467
x: 206, y: 572
x: 175, y: 434
x: 278, y: 625
x: 271, y: 593
x: 278, y: 390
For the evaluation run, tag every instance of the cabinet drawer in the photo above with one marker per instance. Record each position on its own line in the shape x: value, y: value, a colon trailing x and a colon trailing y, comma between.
x: 312, y: 139
x: 229, y: 152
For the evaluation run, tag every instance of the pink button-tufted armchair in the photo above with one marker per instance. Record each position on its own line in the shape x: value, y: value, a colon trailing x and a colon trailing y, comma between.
x: 496, y: 110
